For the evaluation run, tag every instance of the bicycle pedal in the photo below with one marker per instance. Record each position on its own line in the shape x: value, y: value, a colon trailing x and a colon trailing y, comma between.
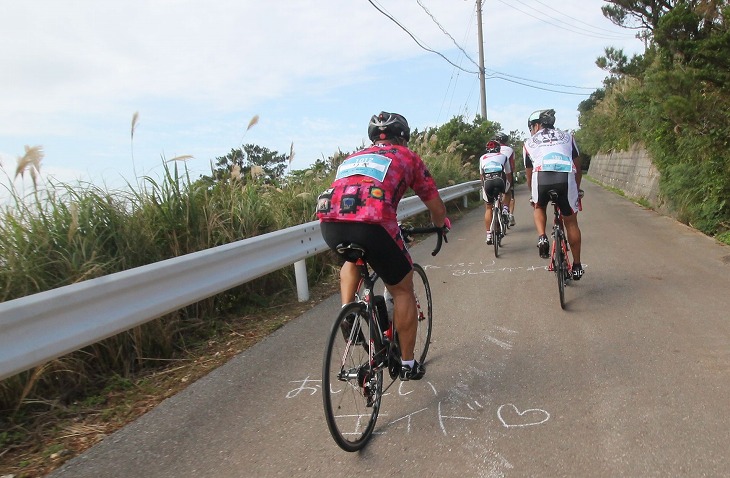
x: 394, y: 367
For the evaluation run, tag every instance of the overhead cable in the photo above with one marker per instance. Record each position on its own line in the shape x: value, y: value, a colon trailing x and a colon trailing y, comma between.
x: 612, y: 32
x: 493, y: 74
x: 417, y: 41
x: 446, y: 33
x: 590, y: 34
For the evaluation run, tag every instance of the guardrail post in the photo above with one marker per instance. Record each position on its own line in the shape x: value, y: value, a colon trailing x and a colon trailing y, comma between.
x: 300, y: 274
x: 466, y: 201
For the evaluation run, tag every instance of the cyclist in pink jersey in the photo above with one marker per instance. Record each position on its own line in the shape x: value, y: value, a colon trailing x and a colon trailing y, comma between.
x: 361, y: 207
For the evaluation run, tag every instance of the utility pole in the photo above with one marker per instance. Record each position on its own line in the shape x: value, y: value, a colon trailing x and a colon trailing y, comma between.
x: 482, y: 82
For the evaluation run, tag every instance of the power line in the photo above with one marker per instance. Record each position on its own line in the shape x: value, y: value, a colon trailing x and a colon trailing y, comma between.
x: 499, y: 73
x: 456, y: 72
x: 539, y: 87
x: 418, y: 42
x: 590, y: 34
x: 494, y: 74
x: 584, y: 23
x: 445, y: 32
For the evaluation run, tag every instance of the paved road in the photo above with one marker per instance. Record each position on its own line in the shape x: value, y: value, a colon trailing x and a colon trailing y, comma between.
x: 633, y: 379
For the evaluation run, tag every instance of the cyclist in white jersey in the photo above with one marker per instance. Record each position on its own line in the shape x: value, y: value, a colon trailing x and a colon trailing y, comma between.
x: 552, y: 162
x: 509, y: 197
x: 496, y: 177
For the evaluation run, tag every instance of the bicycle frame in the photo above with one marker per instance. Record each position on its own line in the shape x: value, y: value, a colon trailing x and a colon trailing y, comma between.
x: 498, y: 227
x: 382, y: 338
x: 559, y: 259
x: 559, y: 236
x: 356, y: 366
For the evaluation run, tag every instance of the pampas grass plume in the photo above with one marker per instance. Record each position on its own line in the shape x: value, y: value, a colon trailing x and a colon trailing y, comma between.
x: 183, y: 157
x: 135, y: 117
x: 253, y: 122
x: 31, y: 159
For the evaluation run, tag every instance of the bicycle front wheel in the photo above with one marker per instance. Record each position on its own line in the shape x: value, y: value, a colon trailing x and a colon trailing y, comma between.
x: 351, y: 389
x: 424, y: 307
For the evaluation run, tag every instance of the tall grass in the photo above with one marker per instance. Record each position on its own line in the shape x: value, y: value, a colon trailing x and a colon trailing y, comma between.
x: 60, y: 234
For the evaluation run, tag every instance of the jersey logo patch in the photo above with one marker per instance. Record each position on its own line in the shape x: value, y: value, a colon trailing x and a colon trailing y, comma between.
x: 371, y: 165
x: 377, y: 193
x: 557, y: 162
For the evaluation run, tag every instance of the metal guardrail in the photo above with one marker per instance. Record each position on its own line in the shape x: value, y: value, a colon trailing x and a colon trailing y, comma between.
x: 47, y: 325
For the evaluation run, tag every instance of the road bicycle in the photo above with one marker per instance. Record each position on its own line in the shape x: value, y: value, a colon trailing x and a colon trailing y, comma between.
x: 498, y: 227
x: 363, y: 343
x: 559, y: 259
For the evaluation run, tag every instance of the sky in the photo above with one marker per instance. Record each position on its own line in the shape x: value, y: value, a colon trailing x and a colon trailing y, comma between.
x: 75, y: 72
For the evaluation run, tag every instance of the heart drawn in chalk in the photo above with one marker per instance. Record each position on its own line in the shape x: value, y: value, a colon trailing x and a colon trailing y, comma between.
x: 511, y: 417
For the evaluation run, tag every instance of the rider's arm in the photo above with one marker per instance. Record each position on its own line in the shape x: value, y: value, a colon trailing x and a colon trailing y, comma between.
x: 578, y: 170
x: 577, y: 162
x: 437, y: 208
x: 528, y: 169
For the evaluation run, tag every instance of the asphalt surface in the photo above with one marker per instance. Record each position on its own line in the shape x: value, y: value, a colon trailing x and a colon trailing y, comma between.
x: 632, y: 379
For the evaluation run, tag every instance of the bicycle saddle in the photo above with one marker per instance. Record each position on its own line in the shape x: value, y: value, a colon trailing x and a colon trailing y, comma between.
x: 351, y: 251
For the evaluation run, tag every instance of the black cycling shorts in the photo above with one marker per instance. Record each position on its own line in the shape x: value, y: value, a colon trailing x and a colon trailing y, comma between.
x: 493, y: 185
x: 390, y: 261
x: 557, y: 181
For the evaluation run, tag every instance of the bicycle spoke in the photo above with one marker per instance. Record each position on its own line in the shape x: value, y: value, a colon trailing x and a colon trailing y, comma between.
x: 560, y: 269
x: 425, y: 312
x: 351, y: 389
x: 496, y: 230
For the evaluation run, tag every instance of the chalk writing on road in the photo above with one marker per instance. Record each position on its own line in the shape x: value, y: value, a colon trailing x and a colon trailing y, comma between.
x: 511, y: 416
x: 508, y: 414
x: 306, y: 385
x: 466, y: 269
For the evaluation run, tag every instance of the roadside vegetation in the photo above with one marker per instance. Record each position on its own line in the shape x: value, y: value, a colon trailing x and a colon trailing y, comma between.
x: 59, y: 234
x: 674, y: 100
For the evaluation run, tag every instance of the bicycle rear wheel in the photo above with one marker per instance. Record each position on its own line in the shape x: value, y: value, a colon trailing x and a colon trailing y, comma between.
x: 351, y: 389
x: 505, y: 222
x: 424, y: 307
x: 560, y: 268
x: 496, y: 230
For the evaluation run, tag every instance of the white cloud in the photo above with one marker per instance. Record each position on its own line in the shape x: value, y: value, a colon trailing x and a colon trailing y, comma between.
x: 75, y: 72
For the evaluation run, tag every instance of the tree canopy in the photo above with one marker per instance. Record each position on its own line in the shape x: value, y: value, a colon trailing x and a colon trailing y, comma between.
x: 674, y: 99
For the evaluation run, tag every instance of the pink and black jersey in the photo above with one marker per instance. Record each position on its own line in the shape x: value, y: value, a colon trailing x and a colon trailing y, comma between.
x: 370, y: 183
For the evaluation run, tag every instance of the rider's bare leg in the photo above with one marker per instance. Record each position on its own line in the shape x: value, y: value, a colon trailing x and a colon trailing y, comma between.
x: 404, y: 315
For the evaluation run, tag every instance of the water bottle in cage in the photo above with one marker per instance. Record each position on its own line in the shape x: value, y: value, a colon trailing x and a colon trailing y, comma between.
x: 388, y: 304
x: 389, y: 307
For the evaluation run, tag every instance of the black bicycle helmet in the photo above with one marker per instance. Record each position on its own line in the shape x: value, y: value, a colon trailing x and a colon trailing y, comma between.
x: 501, y: 138
x: 543, y: 117
x: 388, y: 126
x: 493, y: 147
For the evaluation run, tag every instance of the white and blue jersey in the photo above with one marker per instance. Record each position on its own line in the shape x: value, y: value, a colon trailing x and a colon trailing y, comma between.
x: 551, y: 149
x: 494, y: 163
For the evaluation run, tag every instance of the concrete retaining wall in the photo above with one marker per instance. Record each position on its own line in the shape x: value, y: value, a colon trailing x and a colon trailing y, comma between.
x: 630, y: 171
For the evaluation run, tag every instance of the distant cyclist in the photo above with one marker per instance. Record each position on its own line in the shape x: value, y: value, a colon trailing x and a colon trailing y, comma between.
x: 509, y: 197
x: 361, y: 207
x: 552, y: 162
x: 496, y: 176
